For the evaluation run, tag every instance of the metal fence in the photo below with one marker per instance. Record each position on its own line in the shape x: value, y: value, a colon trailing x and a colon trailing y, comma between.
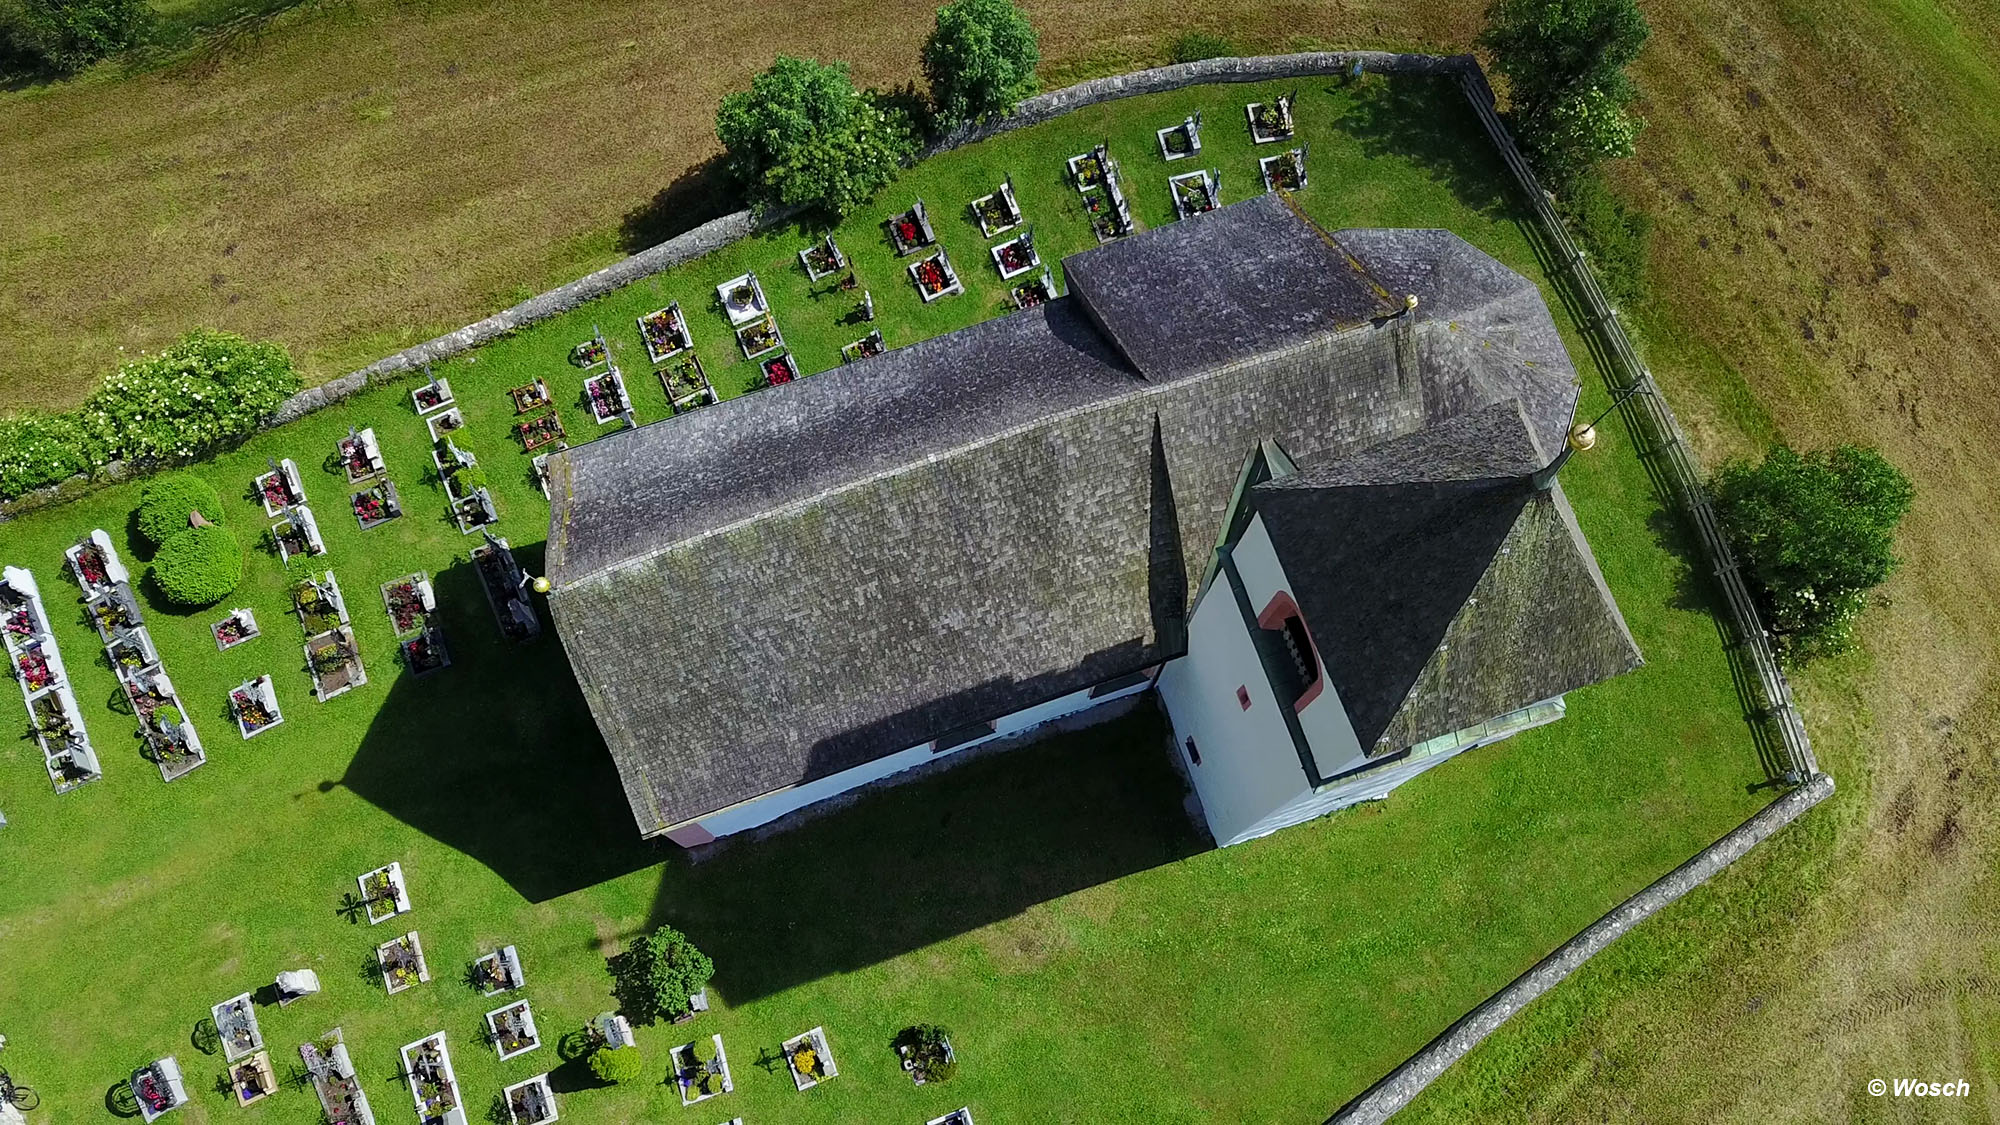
x: 1647, y: 410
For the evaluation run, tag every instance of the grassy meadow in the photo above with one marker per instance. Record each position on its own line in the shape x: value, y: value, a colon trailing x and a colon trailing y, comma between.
x: 1053, y: 905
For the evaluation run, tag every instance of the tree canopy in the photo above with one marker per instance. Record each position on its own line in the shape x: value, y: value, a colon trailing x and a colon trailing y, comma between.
x: 657, y: 974
x: 67, y: 35
x: 1565, y: 65
x: 980, y: 59
x: 802, y: 135
x: 1816, y: 531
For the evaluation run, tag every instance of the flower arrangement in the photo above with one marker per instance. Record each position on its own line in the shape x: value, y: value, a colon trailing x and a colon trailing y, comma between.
x: 778, y: 371
x: 1014, y: 256
x: 806, y: 1061
x: 429, y: 396
x: 35, y: 670
x: 539, y: 431
x: 587, y: 353
x: 90, y: 560
x: 405, y: 608
x: 19, y: 622
x: 605, y: 399
x: 250, y: 709
x: 930, y: 274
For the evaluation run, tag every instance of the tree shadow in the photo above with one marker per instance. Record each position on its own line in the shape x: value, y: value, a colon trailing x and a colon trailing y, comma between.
x: 704, y: 192
x: 511, y: 771
x: 914, y: 864
x: 1426, y: 119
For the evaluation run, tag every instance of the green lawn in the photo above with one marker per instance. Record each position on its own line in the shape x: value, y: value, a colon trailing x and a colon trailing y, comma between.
x: 1052, y: 906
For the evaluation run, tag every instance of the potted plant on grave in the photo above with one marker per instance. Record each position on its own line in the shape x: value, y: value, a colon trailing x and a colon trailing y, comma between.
x: 586, y: 353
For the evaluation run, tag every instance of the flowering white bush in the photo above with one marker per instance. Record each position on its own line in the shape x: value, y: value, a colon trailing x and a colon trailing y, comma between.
x: 207, y: 391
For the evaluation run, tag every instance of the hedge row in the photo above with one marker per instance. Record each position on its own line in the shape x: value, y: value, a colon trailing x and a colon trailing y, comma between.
x: 206, y: 392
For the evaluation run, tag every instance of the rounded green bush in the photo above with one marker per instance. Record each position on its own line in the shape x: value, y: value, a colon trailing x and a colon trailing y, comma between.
x: 198, y: 566
x: 165, y: 502
x: 620, y: 1064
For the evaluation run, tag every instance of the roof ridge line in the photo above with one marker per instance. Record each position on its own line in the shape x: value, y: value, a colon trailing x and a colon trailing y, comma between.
x: 1143, y: 388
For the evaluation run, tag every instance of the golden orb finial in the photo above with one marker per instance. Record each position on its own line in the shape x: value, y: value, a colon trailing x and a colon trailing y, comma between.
x: 1582, y: 436
x: 1410, y: 301
x: 542, y: 585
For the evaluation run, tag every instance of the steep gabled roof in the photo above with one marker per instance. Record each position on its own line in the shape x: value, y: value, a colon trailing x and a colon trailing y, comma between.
x: 1440, y: 585
x: 1222, y: 287
x: 795, y: 582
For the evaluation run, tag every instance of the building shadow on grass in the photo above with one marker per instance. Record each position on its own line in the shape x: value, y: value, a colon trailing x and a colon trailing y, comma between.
x: 914, y: 864
x: 496, y: 756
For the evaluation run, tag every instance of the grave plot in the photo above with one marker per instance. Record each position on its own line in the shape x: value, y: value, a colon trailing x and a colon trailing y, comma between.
x: 1035, y: 291
x: 1016, y: 256
x: 530, y: 1102
x: 171, y: 740
x: 686, y: 383
x: 376, y: 505
x: 591, y: 352
x: 540, y: 468
x: 384, y: 892
x: 809, y: 1058
x: 158, y: 1088
x: 402, y: 962
x: 701, y: 1070
x: 530, y: 396
x: 1271, y: 121
x: 934, y: 276
x: 1195, y: 192
x: 779, y: 369
x: 131, y: 651
x: 471, y: 501
x: 236, y: 1023
x: 865, y: 347
x: 96, y: 564
x: 435, y: 394
x: 445, y: 423
x: 497, y: 972
x: 605, y: 392
x: 665, y: 332
x: 822, y: 259
x: 253, y: 1079
x: 1178, y: 142
x: 511, y: 1029
x: 412, y: 606
x: 1095, y: 175
x: 297, y: 536
x: 998, y: 212
x: 1284, y: 171
x: 926, y: 1053
x: 432, y: 1085
x: 335, y: 1081
x: 911, y: 231
x: 539, y: 432
x: 254, y: 703
x: 280, y: 488
x: 760, y: 337
x: 53, y: 715
x: 333, y: 657
x: 233, y: 630
x: 742, y: 299
x: 506, y: 589
x: 960, y: 1116
x: 359, y: 455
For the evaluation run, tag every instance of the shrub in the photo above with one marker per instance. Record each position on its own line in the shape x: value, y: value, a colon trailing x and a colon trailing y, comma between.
x: 655, y: 976
x: 198, y: 566
x: 980, y: 59
x: 1815, y: 532
x: 1194, y: 46
x: 37, y: 450
x: 1615, y: 235
x: 1565, y: 65
x: 67, y: 35
x: 616, y: 1064
x: 206, y: 391
x: 166, y: 502
x: 702, y: 1049
x: 802, y: 135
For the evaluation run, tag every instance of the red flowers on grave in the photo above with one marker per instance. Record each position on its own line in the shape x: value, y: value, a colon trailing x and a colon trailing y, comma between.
x: 1013, y: 256
x: 931, y: 275
x: 906, y: 231
x: 778, y: 371
x: 35, y: 670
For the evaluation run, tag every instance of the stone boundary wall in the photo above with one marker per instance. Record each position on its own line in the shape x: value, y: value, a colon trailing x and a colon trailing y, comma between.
x: 1401, y: 1085
x: 718, y: 233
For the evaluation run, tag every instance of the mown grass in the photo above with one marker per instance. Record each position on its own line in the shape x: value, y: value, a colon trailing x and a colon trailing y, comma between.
x: 1050, y: 905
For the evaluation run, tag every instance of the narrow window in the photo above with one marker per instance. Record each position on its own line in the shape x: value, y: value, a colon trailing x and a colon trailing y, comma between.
x: 1194, y: 752
x: 1243, y: 696
x: 953, y: 739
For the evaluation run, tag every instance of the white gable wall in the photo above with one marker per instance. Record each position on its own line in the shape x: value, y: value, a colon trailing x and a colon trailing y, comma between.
x: 1249, y: 766
x: 1323, y: 720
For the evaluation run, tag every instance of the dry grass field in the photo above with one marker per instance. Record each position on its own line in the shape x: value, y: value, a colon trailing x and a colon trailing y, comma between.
x: 1825, y: 181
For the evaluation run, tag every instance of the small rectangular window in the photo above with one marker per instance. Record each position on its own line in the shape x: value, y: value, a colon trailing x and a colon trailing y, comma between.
x: 1194, y: 752
x: 953, y: 739
x: 1117, y: 685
